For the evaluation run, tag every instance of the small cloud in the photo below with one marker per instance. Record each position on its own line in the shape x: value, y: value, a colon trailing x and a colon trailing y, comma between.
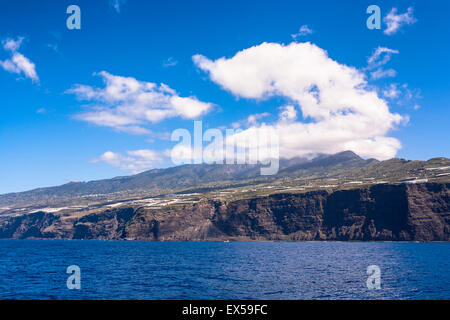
x: 135, y: 161
x: 251, y: 120
x: 379, y: 58
x: 161, y: 135
x: 392, y: 92
x: 170, y: 62
x: 406, y: 119
x: 136, y: 130
x: 402, y: 95
x: 303, y: 31
x: 395, y: 21
x: 41, y: 111
x: 288, y: 113
x: 53, y: 47
x: 12, y: 45
x: 116, y: 4
x: 409, y: 97
x: 380, y: 73
x: 18, y: 63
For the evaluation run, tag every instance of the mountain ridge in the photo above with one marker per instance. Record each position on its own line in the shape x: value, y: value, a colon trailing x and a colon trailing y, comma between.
x: 342, y: 165
x: 183, y: 168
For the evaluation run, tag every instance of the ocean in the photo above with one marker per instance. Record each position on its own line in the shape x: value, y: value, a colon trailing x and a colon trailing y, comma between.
x: 37, y: 269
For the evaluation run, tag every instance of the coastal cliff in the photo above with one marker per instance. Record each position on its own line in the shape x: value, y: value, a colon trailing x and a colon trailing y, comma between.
x: 405, y: 212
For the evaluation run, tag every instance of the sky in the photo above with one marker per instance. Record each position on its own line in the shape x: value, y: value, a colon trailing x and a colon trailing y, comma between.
x: 103, y: 100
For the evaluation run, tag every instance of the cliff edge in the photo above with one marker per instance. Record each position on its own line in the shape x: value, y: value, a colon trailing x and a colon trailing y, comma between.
x: 385, y: 212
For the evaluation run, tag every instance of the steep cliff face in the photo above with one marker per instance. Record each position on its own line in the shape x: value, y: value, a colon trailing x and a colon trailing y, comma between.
x: 27, y: 226
x: 429, y: 211
x: 419, y: 212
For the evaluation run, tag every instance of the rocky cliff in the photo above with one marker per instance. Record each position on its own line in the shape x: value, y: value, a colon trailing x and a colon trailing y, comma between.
x: 407, y: 212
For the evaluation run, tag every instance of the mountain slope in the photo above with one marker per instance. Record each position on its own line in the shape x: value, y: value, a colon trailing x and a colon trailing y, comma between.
x: 163, y: 179
x: 207, y: 177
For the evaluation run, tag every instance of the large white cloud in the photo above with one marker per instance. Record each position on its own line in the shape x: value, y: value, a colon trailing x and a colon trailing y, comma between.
x: 126, y: 103
x: 341, y: 110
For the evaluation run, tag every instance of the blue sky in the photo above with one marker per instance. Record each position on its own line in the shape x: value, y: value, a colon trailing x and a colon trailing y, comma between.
x: 47, y: 137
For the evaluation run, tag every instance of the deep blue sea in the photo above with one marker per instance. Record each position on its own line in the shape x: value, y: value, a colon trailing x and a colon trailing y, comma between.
x: 36, y: 269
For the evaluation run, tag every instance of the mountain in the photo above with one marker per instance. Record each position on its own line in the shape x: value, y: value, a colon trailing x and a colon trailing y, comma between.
x: 328, y: 197
x: 158, y: 180
x: 344, y: 166
x: 324, y: 163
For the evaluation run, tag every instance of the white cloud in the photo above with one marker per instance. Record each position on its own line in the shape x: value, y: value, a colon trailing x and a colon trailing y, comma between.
x: 170, y: 62
x: 53, y: 46
x: 343, y: 112
x: 12, y: 45
x: 183, y: 154
x: 391, y: 92
x: 251, y: 120
x: 126, y: 103
x: 402, y: 95
x: 257, y: 143
x: 379, y: 58
x: 18, y: 63
x: 395, y: 21
x: 303, y: 31
x: 288, y: 113
x: 116, y: 4
x: 380, y: 73
x: 135, y: 161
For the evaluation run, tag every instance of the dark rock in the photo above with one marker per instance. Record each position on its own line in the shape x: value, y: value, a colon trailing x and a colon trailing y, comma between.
x: 406, y: 212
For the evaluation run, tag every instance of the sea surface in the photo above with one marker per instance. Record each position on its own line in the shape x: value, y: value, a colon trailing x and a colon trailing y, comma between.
x: 36, y: 269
